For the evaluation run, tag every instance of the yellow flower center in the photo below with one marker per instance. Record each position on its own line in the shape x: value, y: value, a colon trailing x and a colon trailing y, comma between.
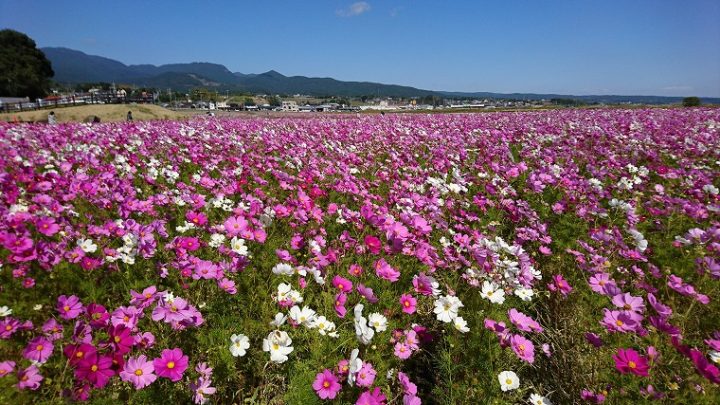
x: 171, y: 365
x: 326, y: 384
x: 508, y: 382
x: 79, y: 354
x: 407, y: 303
x: 126, y: 318
x: 632, y: 364
x: 117, y: 339
x: 39, y: 347
x: 275, y: 346
x: 8, y: 327
x: 94, y: 368
x: 138, y: 372
x: 66, y: 308
x: 619, y: 323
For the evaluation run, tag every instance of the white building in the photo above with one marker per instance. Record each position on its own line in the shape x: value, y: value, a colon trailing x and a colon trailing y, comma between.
x: 289, y: 106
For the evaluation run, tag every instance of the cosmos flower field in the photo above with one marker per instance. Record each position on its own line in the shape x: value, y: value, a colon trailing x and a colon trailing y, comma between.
x: 533, y: 257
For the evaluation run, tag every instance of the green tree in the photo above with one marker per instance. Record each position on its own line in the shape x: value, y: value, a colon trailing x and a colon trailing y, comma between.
x: 274, y: 101
x: 249, y: 101
x: 691, y: 102
x: 24, y: 69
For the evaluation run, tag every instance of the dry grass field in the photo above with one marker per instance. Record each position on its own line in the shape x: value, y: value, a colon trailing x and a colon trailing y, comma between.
x: 106, y: 112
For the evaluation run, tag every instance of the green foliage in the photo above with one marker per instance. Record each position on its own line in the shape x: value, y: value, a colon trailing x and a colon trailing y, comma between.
x: 24, y: 69
x: 691, y: 102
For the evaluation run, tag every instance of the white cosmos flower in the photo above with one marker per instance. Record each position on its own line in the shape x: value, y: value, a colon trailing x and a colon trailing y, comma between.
x: 446, y: 308
x: 239, y: 344
x: 354, y: 366
x: 537, y: 399
x: 378, y: 321
x: 216, y: 240
x: 5, y: 311
x: 524, y: 294
x: 282, y: 269
x: 324, y: 326
x: 715, y: 357
x: 363, y: 332
x: 279, y: 344
x: 87, y: 245
x: 460, y: 324
x: 238, y: 246
x: 508, y: 380
x: 493, y: 292
x: 279, y: 320
x: 304, y: 316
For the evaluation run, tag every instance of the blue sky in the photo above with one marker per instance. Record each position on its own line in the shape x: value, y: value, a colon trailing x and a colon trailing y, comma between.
x: 645, y: 47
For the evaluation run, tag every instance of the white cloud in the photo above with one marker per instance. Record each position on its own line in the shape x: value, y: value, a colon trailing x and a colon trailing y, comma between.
x: 354, y: 9
x: 678, y: 88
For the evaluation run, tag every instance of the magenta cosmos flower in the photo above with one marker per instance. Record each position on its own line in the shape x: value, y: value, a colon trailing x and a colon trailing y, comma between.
x: 39, y: 349
x: 326, y: 385
x: 408, y: 303
x: 629, y: 361
x: 95, y: 369
x: 69, y: 307
x: 138, y: 371
x: 171, y: 364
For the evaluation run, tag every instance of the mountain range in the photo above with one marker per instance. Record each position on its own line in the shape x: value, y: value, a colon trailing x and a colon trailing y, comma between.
x: 72, y: 66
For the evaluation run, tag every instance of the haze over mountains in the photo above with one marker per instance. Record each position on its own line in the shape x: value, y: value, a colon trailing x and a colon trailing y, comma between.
x: 72, y: 66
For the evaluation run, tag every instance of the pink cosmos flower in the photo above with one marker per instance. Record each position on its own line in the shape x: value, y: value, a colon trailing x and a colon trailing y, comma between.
x: 326, y: 385
x: 29, y: 378
x: 523, y: 348
x: 374, y: 397
x: 138, y: 371
x: 52, y: 329
x: 47, y: 226
x: 340, y: 300
x: 402, y: 350
x: 171, y: 364
x: 144, y: 299
x: 196, y: 218
x: 618, y: 321
x: 69, y: 307
x: 38, y: 349
x: 408, y: 386
x: 367, y: 293
x: 424, y: 284
x: 126, y: 316
x: 629, y: 303
x: 6, y: 367
x: 704, y: 367
x: 95, y: 369
x: 386, y: 272
x: 523, y: 322
x: 201, y: 389
x: 235, y: 226
x: 355, y: 270
x: 630, y: 361
x: 560, y: 285
x: 408, y: 303
x: 366, y: 375
x: 342, y: 284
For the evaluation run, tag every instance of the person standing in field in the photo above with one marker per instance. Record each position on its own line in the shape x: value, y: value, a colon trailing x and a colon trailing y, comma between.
x: 129, y: 116
x: 51, y: 118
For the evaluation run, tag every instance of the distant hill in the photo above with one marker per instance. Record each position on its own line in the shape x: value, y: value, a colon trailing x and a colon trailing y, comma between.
x: 73, y: 66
